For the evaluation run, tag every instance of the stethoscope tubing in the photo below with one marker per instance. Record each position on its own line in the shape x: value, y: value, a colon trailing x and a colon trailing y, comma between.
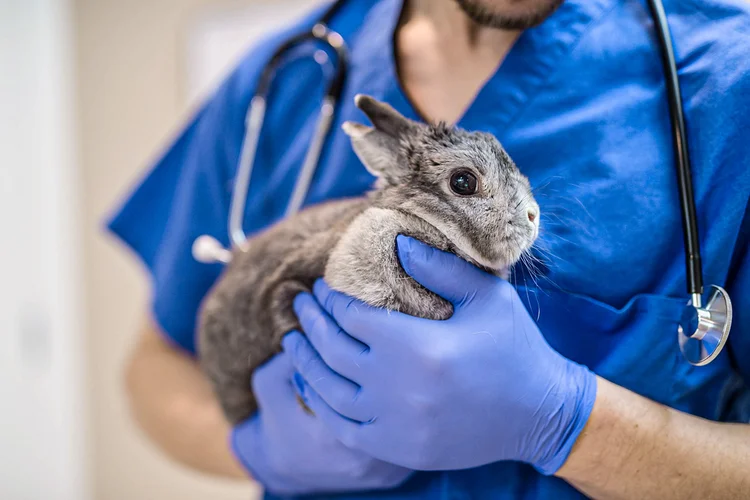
x: 254, y: 125
x: 693, y: 266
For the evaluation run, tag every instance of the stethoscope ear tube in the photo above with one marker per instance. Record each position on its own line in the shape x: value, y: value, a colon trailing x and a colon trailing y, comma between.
x: 254, y: 125
x: 325, y: 116
x: 207, y: 249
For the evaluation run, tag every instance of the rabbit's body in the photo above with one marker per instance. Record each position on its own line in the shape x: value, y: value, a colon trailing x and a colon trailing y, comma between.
x: 249, y: 309
x: 352, y: 244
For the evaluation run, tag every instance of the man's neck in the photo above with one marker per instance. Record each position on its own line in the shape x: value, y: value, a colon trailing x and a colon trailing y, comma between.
x: 454, y: 26
x: 444, y: 58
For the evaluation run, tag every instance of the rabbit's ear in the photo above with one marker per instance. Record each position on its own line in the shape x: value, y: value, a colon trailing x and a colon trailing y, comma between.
x: 377, y: 151
x: 384, y: 117
x: 379, y: 147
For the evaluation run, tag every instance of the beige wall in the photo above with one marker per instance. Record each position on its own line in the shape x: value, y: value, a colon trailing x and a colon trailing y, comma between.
x: 130, y: 101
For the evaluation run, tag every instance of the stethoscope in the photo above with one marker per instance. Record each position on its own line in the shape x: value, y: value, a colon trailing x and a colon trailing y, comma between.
x: 709, y: 323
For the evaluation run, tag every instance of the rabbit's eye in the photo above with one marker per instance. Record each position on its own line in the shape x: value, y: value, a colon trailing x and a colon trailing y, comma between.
x: 464, y: 183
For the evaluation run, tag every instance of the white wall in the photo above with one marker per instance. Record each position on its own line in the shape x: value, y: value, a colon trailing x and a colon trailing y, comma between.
x: 221, y: 34
x: 42, y: 410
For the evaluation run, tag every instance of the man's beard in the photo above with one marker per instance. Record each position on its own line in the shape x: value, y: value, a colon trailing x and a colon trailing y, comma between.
x: 480, y: 13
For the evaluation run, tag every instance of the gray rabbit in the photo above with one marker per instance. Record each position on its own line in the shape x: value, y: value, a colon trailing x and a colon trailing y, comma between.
x: 455, y: 190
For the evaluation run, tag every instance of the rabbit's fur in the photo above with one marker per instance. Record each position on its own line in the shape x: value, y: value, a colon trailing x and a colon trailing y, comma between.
x: 351, y: 243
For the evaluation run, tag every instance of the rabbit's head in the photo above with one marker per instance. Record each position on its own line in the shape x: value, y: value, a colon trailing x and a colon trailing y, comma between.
x: 462, y: 183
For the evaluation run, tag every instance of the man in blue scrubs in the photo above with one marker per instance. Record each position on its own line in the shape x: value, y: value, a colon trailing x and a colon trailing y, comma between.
x: 576, y: 383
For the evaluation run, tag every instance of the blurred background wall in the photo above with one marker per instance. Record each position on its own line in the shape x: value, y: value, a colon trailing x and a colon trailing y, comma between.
x: 43, y: 417
x: 90, y: 92
x: 131, y: 95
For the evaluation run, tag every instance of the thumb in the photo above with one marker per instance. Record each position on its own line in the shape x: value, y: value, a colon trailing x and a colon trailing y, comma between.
x: 443, y: 273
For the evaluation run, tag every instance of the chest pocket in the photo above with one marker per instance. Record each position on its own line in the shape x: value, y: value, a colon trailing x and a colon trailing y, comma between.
x: 634, y: 346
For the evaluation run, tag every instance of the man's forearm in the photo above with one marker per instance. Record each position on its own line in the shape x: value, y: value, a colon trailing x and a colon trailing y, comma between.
x: 635, y: 448
x: 173, y: 403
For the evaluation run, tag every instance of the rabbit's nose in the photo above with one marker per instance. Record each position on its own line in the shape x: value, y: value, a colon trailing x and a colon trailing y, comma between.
x: 533, y: 214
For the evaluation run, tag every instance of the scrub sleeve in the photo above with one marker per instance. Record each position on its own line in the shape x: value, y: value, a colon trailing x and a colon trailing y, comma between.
x: 182, y: 197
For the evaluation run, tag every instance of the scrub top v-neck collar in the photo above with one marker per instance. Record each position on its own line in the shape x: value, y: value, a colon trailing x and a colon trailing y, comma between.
x: 529, y: 64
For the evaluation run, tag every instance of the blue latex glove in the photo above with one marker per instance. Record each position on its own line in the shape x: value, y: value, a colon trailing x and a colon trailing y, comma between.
x: 480, y: 387
x: 292, y: 453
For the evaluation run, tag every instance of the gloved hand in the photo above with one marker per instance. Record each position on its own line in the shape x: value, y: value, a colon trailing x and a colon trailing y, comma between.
x: 480, y: 387
x: 292, y: 453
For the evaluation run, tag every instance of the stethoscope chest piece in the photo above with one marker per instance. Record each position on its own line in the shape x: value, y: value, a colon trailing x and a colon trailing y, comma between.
x: 703, y: 331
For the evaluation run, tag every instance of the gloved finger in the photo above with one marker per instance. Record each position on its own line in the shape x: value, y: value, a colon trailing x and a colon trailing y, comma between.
x: 272, y: 378
x: 341, y: 352
x: 339, y: 393
x: 344, y: 429
x: 360, y: 321
x: 246, y: 442
x: 443, y: 273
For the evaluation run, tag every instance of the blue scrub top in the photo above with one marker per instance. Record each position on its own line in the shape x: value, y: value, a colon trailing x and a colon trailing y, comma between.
x: 580, y: 105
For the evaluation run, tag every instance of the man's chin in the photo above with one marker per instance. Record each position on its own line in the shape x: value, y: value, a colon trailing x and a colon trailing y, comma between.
x: 508, y: 14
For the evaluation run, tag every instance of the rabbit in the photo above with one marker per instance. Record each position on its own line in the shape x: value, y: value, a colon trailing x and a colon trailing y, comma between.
x: 455, y: 190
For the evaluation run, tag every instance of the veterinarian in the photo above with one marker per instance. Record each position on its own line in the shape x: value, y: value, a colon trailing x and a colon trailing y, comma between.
x: 572, y: 380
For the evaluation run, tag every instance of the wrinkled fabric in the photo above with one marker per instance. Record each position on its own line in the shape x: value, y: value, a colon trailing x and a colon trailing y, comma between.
x: 580, y: 105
